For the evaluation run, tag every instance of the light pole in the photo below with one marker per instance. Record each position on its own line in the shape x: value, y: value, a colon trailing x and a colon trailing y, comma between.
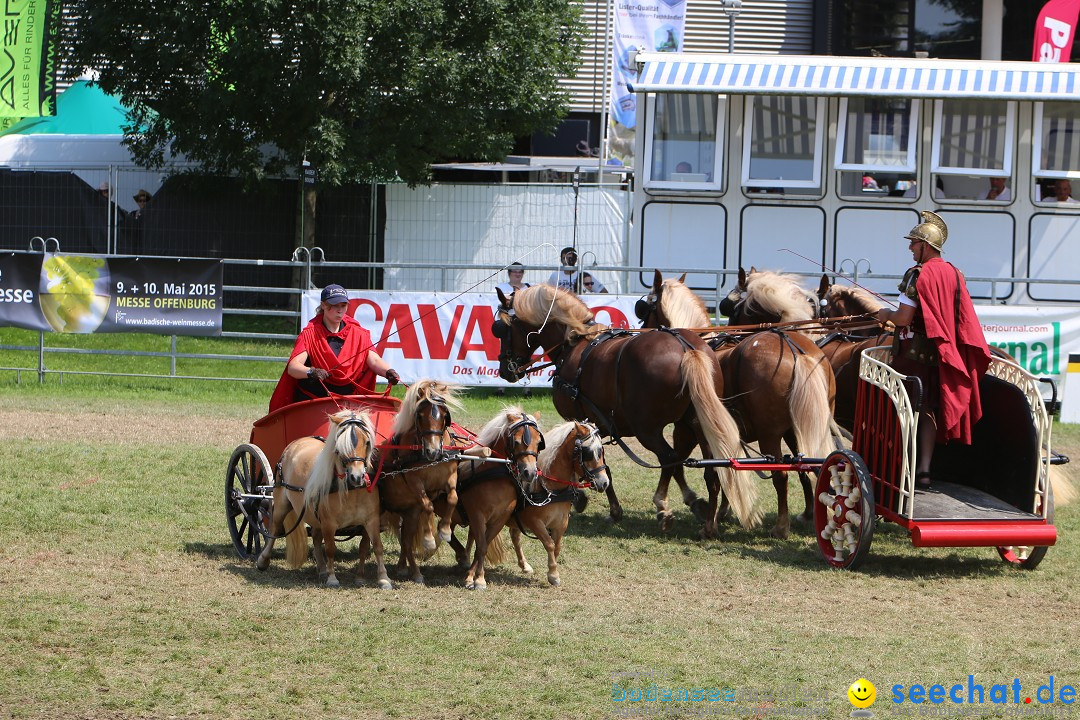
x: 731, y: 8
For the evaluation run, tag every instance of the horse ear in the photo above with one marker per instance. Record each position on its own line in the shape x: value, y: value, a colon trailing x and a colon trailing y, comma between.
x: 657, y: 281
x: 753, y: 269
x: 503, y: 302
x: 682, y: 278
x: 823, y: 288
x: 742, y: 277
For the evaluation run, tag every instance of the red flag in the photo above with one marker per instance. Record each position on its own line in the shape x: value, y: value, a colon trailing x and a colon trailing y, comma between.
x: 1054, y: 31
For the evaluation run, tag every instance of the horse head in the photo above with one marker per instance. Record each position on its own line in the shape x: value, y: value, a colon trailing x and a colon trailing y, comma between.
x: 589, y: 456
x: 425, y: 412
x: 838, y: 301
x: 352, y: 438
x: 762, y: 296
x: 524, y: 441
x: 533, y: 317
x: 647, y: 308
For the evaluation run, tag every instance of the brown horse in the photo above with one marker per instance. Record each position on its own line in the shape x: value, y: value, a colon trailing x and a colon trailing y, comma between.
x: 574, y: 458
x: 327, y: 486
x: 628, y: 384
x: 489, y: 492
x: 844, y: 348
x: 415, y: 467
x: 778, y: 385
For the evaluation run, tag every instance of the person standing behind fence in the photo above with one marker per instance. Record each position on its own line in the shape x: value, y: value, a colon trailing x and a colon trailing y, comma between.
x: 515, y: 279
x: 332, y: 354
x: 567, y: 277
x: 590, y: 284
x: 133, y: 226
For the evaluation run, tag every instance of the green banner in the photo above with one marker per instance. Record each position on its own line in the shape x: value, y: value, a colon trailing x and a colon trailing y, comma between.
x: 94, y: 294
x: 28, y: 58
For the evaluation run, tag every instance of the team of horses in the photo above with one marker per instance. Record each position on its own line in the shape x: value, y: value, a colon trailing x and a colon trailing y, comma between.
x: 352, y: 484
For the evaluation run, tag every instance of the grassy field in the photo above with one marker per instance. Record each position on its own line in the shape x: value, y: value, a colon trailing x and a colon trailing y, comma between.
x: 121, y: 596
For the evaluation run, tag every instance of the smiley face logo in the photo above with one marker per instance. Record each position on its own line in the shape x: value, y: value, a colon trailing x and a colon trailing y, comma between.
x: 862, y: 693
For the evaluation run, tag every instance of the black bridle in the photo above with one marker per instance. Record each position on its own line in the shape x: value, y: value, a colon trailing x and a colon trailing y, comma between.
x: 580, y: 444
x: 352, y: 424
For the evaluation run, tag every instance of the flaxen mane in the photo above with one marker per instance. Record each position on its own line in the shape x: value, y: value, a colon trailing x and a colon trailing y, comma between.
x: 496, y: 426
x: 434, y: 390
x: 769, y: 293
x: 338, y: 442
x: 857, y: 300
x: 682, y: 307
x: 533, y: 304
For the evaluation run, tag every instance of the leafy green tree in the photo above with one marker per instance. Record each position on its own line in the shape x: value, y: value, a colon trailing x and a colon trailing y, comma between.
x: 362, y: 89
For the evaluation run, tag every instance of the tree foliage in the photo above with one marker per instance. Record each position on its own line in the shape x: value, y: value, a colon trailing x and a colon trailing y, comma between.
x: 362, y: 89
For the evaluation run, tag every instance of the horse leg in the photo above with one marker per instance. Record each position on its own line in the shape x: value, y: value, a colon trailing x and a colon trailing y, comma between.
x: 282, y: 506
x: 807, y: 487
x: 515, y: 537
x: 461, y: 555
x: 330, y: 549
x: 771, y: 446
x: 685, y: 439
x: 371, y: 530
x: 474, y: 579
x: 409, y: 524
x: 615, y: 512
x: 318, y: 552
x: 557, y: 532
x: 538, y: 526
x: 445, y: 528
x: 654, y: 442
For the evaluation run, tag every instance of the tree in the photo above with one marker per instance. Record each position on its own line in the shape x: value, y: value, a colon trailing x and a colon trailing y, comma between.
x: 362, y: 89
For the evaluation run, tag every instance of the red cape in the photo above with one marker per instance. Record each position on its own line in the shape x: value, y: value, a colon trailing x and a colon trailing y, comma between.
x: 961, y: 344
x: 348, y: 368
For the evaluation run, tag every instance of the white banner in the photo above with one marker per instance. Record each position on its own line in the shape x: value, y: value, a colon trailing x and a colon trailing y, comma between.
x: 448, y: 336
x: 652, y: 26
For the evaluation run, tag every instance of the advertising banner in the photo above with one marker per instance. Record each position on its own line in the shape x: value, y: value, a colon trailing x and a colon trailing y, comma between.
x: 28, y: 69
x: 1055, y: 30
x: 87, y: 294
x: 655, y: 26
x: 448, y: 336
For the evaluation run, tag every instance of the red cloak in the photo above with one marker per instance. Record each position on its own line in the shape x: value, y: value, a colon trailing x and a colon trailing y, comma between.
x: 348, y: 368
x: 961, y: 344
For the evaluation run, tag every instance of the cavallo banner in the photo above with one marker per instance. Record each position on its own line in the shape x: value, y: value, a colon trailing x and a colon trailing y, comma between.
x: 90, y: 293
x: 1055, y: 30
x: 448, y: 336
x: 28, y: 59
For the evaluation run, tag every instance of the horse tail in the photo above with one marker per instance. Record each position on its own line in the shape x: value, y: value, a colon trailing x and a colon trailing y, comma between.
x: 808, y: 403
x: 721, y: 433
x: 496, y: 550
x: 296, y: 547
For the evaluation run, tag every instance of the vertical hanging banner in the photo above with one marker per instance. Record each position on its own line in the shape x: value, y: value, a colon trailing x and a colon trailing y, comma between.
x: 1055, y: 31
x: 28, y: 58
x: 88, y: 294
x: 640, y: 26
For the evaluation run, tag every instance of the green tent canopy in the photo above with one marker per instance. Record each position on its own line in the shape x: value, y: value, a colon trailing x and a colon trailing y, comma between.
x: 82, y: 109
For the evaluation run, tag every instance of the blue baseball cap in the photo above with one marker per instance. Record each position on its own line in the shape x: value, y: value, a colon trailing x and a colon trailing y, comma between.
x: 334, y: 294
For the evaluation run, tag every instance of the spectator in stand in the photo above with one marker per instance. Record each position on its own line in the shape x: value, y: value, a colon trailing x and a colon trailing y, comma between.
x: 515, y: 279
x: 591, y: 285
x: 1062, y: 192
x: 567, y: 277
x: 133, y: 227
x: 996, y: 191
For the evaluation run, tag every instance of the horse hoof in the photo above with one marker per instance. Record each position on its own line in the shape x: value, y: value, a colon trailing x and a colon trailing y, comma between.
x: 261, y: 564
x: 780, y: 532
x: 418, y: 579
x: 554, y: 580
x: 708, y: 533
x: 385, y: 585
x: 478, y: 585
x: 615, y: 516
x: 700, y: 508
x: 445, y: 535
x: 665, y: 518
x: 527, y: 569
x: 332, y: 582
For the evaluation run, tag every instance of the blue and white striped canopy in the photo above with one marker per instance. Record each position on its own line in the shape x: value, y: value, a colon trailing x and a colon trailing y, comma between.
x: 844, y: 76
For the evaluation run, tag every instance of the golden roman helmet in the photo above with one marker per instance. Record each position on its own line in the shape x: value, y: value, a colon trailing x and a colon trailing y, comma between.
x: 932, y: 230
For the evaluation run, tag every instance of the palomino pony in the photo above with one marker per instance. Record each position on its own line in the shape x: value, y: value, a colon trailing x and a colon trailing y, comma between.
x: 326, y: 485
x: 628, y: 384
x: 778, y: 385
x: 574, y: 458
x: 416, y: 467
x: 489, y: 492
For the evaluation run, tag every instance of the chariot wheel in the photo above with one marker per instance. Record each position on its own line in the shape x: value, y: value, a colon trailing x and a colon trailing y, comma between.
x: 1029, y: 556
x: 844, y: 512
x: 247, y: 508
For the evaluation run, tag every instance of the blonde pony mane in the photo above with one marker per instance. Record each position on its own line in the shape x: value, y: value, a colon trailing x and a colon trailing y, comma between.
x: 857, y: 297
x: 420, y: 391
x: 771, y: 293
x: 340, y: 443
x: 681, y: 306
x: 533, y: 305
x: 496, y: 427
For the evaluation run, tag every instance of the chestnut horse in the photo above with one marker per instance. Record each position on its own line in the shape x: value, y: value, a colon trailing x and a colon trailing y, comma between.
x: 326, y: 485
x: 574, y: 458
x: 628, y: 384
x: 415, y: 467
x: 489, y: 492
x: 778, y: 385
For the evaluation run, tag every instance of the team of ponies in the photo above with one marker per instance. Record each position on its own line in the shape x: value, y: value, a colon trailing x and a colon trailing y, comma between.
x: 353, y: 483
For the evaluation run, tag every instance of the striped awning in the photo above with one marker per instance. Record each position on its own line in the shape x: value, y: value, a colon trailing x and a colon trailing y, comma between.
x: 844, y: 76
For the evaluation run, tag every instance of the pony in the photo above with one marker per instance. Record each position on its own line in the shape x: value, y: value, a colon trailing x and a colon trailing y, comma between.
x: 327, y: 485
x: 574, y: 457
x: 628, y: 384
x: 763, y: 296
x: 414, y: 467
x: 489, y: 493
x: 778, y: 386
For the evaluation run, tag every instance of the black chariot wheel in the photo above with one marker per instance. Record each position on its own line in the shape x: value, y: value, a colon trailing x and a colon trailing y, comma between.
x: 844, y: 512
x: 248, y: 502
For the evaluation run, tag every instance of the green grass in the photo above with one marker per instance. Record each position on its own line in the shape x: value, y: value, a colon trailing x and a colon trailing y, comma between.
x: 121, y: 596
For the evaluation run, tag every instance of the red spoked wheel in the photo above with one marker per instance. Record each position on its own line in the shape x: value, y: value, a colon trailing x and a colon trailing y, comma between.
x: 248, y: 502
x: 844, y: 511
x: 1028, y: 557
